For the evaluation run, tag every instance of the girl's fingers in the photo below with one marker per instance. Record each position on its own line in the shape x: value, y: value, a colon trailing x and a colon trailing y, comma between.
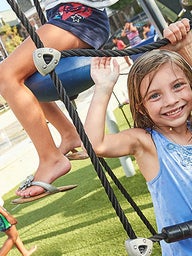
x: 108, y: 60
x: 100, y: 62
x: 177, y: 31
x: 186, y: 23
x: 105, y: 62
x: 94, y: 62
x: 116, y: 66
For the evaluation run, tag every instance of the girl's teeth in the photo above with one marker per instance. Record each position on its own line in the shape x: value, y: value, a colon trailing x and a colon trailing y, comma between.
x: 174, y: 112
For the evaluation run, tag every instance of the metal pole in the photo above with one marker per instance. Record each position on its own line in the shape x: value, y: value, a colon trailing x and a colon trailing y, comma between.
x: 154, y: 14
x: 3, y: 48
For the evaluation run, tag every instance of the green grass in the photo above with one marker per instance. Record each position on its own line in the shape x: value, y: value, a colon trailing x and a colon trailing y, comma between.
x: 82, y: 221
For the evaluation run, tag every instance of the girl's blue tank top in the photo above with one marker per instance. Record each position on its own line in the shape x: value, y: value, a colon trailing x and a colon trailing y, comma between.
x: 171, y: 190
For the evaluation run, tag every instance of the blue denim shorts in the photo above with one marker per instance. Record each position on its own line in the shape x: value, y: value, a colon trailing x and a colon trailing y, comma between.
x: 89, y: 24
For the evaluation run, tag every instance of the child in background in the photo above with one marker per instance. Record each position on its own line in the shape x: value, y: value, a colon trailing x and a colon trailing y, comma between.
x: 7, y: 225
x: 160, y: 94
x: 132, y: 33
x: 148, y: 30
x: 121, y: 46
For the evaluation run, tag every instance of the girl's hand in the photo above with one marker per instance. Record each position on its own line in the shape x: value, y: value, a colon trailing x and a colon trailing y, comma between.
x: 103, y: 75
x: 178, y: 34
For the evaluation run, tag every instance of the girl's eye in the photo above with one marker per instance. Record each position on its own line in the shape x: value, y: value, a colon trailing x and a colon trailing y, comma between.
x: 178, y: 85
x: 154, y: 96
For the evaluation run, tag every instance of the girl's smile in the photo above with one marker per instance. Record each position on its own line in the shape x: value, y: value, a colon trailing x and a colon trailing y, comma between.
x: 174, y: 113
x: 167, y: 96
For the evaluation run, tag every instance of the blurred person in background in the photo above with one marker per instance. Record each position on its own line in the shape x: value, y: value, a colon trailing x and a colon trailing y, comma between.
x: 132, y: 33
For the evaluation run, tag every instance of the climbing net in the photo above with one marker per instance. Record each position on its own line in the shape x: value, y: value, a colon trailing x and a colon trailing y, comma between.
x: 134, y: 245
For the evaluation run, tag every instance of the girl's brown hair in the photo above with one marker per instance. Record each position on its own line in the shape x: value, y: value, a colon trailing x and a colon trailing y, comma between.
x: 150, y: 63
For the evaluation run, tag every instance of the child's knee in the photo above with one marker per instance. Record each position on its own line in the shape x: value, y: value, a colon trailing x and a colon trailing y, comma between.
x: 3, y: 79
x: 8, y: 82
x: 12, y: 234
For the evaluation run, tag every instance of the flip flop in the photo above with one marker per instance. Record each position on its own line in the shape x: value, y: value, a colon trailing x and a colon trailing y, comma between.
x: 49, y: 190
x: 77, y: 155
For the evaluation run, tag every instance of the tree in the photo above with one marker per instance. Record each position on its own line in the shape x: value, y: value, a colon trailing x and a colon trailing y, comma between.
x: 124, y: 4
x: 120, y: 5
x: 10, y: 37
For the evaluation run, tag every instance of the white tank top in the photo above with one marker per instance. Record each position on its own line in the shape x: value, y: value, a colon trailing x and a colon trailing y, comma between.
x: 92, y: 3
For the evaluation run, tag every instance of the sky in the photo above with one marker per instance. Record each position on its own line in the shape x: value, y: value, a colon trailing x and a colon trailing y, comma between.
x: 4, y: 5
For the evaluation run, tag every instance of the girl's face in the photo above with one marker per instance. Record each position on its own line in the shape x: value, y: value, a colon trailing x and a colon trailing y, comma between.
x: 168, y: 97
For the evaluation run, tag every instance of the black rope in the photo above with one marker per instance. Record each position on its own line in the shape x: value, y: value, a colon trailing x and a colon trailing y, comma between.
x: 127, y: 196
x: 115, y: 53
x: 74, y: 115
x: 40, y: 12
x: 34, y: 36
x: 79, y: 126
x: 79, y: 52
x: 95, y: 161
x: 121, y: 108
x: 103, y: 162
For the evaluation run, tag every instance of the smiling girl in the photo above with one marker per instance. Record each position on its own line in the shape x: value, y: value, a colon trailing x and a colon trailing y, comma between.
x: 160, y: 94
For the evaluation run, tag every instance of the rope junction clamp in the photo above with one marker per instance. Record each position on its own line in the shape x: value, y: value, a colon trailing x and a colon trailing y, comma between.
x: 139, y: 247
x: 46, y: 59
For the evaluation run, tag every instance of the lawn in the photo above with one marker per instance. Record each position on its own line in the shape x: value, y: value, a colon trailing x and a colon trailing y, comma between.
x: 82, y: 222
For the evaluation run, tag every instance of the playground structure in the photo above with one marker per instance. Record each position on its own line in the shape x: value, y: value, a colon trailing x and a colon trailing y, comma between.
x: 134, y: 245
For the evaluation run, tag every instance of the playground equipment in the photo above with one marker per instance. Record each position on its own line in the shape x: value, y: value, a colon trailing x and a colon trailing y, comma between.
x: 134, y: 246
x: 74, y: 73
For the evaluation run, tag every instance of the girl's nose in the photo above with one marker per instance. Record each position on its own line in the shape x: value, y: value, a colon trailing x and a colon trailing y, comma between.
x: 170, y: 98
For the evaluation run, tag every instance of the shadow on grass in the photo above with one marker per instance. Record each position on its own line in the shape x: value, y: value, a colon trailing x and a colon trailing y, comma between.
x: 88, y: 198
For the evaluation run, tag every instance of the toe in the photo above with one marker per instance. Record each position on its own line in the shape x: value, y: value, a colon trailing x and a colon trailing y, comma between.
x: 29, y: 192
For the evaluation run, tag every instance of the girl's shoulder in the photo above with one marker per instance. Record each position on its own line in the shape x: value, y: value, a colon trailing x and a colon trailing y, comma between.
x: 139, y: 132
x: 141, y: 138
x: 144, y: 148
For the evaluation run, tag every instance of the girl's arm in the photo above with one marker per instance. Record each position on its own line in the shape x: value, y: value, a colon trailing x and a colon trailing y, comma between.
x: 180, y: 36
x: 104, y: 78
x: 123, y: 33
x: 107, y: 145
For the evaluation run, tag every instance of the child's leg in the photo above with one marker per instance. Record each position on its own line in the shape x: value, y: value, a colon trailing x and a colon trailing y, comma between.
x: 52, y: 163
x: 9, y: 243
x: 20, y: 246
x: 69, y: 137
x: 127, y: 59
x: 14, y: 239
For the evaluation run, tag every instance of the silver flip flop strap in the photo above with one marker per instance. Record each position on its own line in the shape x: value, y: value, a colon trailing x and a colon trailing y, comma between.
x: 29, y: 182
x: 48, y: 187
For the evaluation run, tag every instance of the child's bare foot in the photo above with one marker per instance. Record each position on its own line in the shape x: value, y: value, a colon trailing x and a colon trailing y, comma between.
x: 72, y: 143
x: 47, y: 172
x: 31, y: 251
x: 74, y: 154
x: 73, y: 149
